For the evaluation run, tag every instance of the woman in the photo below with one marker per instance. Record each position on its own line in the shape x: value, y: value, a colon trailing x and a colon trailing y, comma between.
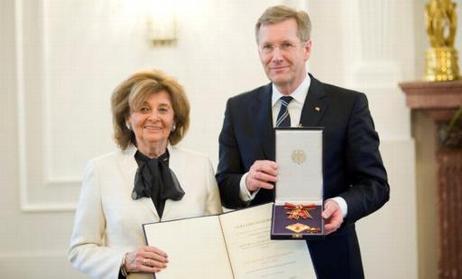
x: 147, y: 180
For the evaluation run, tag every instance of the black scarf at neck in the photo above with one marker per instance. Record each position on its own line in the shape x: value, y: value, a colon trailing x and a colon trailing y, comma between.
x: 156, y: 180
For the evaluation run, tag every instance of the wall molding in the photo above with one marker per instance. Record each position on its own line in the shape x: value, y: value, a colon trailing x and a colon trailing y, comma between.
x: 39, y: 192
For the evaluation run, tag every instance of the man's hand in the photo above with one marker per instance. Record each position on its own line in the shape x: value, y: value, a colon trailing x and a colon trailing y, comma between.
x: 333, y: 216
x: 262, y: 174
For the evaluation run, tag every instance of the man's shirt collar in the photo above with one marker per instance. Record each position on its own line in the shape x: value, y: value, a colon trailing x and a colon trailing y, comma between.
x: 299, y: 94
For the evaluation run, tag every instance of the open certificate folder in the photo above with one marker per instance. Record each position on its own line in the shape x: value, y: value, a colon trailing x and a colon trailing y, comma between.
x: 232, y: 245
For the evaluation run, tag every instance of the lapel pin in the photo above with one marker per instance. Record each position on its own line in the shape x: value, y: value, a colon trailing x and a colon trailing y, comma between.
x: 317, y: 109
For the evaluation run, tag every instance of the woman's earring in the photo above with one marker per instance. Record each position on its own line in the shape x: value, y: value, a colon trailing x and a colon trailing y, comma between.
x: 173, y: 127
x: 127, y: 124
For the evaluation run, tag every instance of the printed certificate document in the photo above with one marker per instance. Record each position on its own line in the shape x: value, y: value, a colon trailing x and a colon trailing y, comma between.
x: 235, y: 245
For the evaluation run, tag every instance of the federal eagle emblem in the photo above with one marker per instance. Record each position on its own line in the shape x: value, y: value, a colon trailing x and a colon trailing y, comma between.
x: 298, y: 156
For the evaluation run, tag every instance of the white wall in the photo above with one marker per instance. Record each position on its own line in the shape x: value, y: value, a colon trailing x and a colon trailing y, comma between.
x: 31, y: 244
x: 60, y: 61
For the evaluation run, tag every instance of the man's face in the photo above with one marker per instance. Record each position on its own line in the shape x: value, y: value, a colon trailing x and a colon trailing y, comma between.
x: 283, y: 55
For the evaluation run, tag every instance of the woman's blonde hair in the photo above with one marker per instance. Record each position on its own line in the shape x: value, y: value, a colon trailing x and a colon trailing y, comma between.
x: 134, y: 91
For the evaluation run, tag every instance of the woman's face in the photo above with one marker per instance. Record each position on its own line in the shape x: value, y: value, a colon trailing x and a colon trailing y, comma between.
x: 152, y: 122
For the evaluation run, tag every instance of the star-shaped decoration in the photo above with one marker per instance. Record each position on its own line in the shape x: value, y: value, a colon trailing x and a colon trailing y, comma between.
x: 298, y: 228
x: 297, y: 211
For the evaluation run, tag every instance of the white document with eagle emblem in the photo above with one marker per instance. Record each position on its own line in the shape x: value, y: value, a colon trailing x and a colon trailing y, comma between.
x: 299, y: 159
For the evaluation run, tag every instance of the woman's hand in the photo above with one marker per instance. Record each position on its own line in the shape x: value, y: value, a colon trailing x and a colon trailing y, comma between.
x: 146, y: 259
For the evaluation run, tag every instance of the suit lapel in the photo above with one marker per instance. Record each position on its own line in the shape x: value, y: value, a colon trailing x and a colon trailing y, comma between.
x: 260, y: 119
x: 129, y: 168
x: 315, y: 104
x: 313, y: 110
x: 263, y: 113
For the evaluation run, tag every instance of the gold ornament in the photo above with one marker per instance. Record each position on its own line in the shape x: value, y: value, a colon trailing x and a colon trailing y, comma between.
x: 441, y: 24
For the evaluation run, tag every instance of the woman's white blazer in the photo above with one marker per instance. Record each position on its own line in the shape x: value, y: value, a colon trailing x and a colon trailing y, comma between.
x: 108, y: 222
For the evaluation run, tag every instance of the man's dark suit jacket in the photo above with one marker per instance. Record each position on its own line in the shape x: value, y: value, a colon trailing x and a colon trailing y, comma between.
x: 352, y: 165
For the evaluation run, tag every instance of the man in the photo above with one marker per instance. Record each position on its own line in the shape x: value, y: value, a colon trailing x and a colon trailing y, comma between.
x: 355, y: 180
